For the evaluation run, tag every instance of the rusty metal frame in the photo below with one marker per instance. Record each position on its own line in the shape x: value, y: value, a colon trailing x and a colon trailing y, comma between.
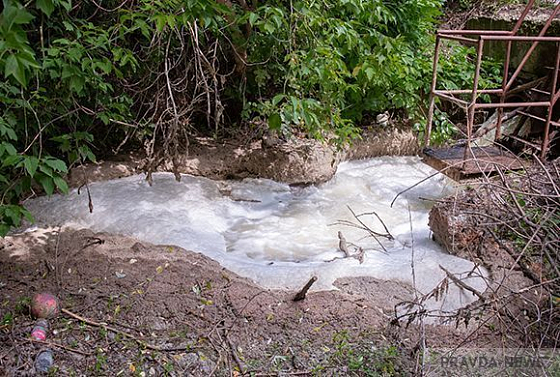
x: 478, y: 38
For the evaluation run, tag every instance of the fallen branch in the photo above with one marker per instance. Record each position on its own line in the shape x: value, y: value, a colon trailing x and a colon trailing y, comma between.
x: 441, y: 171
x: 57, y: 345
x: 359, y: 255
x: 343, y: 244
x: 236, y: 358
x: 461, y: 284
x: 301, y: 294
x: 85, y: 184
x: 368, y: 229
x: 126, y: 335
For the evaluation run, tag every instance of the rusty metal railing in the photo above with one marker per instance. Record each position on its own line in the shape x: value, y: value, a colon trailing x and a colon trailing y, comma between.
x: 478, y: 38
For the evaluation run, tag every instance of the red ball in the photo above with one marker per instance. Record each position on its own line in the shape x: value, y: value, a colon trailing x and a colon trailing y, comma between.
x: 44, y: 305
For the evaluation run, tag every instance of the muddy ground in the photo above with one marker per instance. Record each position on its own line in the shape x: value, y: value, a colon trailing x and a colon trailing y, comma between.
x: 138, y: 309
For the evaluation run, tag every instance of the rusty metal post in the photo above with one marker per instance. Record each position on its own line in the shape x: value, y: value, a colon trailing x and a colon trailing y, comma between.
x: 507, y: 82
x: 504, y: 92
x: 533, y: 47
x: 522, y: 18
x: 432, y: 93
x: 553, y: 97
x: 474, y: 97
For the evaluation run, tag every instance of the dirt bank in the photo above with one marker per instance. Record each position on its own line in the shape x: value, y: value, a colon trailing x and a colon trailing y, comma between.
x: 183, y: 313
x: 297, y: 161
x: 510, y: 224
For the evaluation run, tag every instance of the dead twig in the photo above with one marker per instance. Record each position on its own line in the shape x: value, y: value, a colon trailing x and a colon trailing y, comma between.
x: 85, y: 184
x: 57, y: 345
x: 461, y: 284
x: 302, y: 373
x: 301, y: 294
x: 125, y: 334
x: 368, y: 229
x: 343, y: 244
x: 236, y: 358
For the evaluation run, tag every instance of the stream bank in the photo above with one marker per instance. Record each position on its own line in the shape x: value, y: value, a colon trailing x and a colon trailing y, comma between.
x: 296, y: 161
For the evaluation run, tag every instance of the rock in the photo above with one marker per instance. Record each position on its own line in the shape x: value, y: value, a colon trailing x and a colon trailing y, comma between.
x: 140, y: 248
x: 382, y: 119
x: 453, y: 231
x: 185, y: 360
x: 207, y: 366
x: 383, y: 142
x: 294, y: 162
x: 194, y: 364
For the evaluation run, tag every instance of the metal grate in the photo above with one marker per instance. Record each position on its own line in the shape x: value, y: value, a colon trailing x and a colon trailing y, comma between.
x: 478, y: 38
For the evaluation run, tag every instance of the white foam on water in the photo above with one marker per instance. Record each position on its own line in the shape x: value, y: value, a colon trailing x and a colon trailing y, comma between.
x: 277, y: 235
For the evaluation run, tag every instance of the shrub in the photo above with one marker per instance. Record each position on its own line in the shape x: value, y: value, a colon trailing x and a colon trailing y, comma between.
x: 86, y: 79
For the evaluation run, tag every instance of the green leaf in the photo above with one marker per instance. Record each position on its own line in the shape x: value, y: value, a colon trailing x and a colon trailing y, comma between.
x: 77, y: 84
x: 28, y: 60
x: 66, y: 4
x: 57, y: 164
x: 48, y: 185
x: 253, y: 17
x: 8, y: 147
x: 12, y: 135
x: 370, y: 72
x: 68, y: 71
x: 68, y: 26
x: 277, y: 98
x: 269, y: 27
x: 61, y: 184
x: 13, y: 212
x: 28, y: 216
x: 91, y: 156
x: 46, y: 170
x: 16, y: 65
x: 13, y: 67
x: 11, y: 160
x: 46, y: 6
x: 22, y: 17
x: 275, y: 122
x: 4, y: 229
x: 160, y: 22
x: 31, y: 163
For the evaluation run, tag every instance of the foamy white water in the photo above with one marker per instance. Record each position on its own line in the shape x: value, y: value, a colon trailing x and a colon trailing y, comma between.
x: 277, y: 235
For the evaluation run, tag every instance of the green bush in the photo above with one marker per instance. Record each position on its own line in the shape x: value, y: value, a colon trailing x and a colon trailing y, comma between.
x: 320, y: 66
x: 87, y: 78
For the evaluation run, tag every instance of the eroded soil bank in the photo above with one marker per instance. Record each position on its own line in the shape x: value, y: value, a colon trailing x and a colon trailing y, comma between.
x: 297, y: 161
x: 510, y: 224
x: 162, y: 310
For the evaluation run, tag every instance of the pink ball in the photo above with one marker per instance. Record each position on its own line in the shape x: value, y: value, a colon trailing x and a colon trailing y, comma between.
x: 44, y: 305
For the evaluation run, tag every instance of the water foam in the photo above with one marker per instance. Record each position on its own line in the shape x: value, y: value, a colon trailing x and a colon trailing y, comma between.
x: 279, y: 235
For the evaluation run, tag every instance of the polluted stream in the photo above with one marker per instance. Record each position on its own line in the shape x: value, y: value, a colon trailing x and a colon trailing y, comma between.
x: 280, y: 236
